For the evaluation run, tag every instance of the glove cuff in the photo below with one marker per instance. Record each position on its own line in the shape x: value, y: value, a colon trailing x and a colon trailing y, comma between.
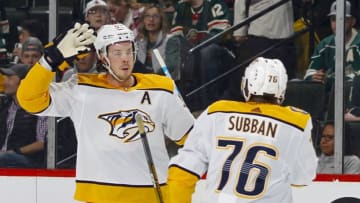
x: 53, y: 57
x: 43, y: 62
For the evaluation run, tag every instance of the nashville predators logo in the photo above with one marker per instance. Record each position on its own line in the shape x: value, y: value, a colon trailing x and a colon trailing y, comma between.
x: 123, y: 124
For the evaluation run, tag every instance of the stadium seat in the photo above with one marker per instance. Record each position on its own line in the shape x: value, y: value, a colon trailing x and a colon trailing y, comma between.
x: 331, y: 103
x: 66, y: 144
x: 311, y: 97
x: 354, y: 131
x: 306, y: 95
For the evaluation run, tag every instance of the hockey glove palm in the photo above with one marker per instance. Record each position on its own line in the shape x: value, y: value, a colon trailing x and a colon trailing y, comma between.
x: 68, y: 44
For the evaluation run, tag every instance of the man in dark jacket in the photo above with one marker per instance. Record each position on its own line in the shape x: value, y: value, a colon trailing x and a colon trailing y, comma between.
x: 22, y: 135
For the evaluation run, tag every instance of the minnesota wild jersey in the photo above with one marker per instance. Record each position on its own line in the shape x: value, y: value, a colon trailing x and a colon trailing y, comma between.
x: 324, y: 57
x: 196, y: 24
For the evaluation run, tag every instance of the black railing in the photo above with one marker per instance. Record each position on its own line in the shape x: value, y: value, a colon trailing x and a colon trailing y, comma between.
x: 296, y: 34
x: 237, y: 26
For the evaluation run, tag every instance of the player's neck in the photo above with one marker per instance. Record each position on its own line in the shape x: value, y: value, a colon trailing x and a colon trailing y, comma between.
x: 127, y: 83
x: 261, y: 99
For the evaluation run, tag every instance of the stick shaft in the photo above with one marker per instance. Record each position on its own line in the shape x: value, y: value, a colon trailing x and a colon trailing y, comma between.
x: 164, y: 68
x: 149, y: 159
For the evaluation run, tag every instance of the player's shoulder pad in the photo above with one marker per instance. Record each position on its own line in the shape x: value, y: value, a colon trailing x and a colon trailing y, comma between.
x: 144, y: 81
x: 154, y: 82
x: 93, y: 79
x: 293, y: 115
x: 223, y: 106
x: 287, y: 114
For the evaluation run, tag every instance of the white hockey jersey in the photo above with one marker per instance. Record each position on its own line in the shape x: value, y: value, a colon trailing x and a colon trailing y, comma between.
x: 252, y: 152
x: 111, y: 163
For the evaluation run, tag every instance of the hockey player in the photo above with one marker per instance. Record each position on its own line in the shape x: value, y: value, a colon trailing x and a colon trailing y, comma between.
x: 111, y: 164
x: 252, y: 151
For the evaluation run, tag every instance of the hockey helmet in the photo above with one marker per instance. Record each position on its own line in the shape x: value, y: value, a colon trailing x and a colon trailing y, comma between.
x: 111, y: 34
x: 265, y: 77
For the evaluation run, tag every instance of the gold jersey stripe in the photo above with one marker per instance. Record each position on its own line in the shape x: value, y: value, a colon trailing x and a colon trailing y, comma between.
x: 94, y: 192
x: 181, y: 184
x: 39, y: 101
x: 290, y: 115
x: 143, y: 81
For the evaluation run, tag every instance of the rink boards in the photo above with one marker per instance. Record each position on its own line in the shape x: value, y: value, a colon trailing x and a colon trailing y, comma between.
x: 57, y: 186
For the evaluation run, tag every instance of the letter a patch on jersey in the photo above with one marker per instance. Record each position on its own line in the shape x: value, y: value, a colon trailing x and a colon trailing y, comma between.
x: 146, y: 97
x: 123, y: 124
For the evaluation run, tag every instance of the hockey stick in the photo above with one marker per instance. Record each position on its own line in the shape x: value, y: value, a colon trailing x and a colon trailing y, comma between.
x: 150, y: 162
x: 165, y: 69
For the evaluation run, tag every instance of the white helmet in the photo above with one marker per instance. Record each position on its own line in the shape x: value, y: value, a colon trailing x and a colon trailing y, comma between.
x: 111, y: 34
x: 265, y: 77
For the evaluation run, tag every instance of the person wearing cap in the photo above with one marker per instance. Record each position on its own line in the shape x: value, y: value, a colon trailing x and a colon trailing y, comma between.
x: 97, y: 13
x: 31, y: 28
x: 322, y: 65
x: 28, y: 28
x: 31, y: 51
x: 86, y: 64
x: 22, y: 135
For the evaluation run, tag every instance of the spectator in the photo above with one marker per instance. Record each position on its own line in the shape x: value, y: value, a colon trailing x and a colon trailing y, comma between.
x: 31, y: 51
x: 126, y: 12
x: 86, y: 64
x: 352, y: 112
x: 22, y: 135
x: 32, y: 28
x: 153, y: 34
x: 266, y: 31
x: 97, y: 13
x: 29, y: 28
x: 326, y: 159
x: 111, y: 165
x: 253, y: 151
x: 322, y: 65
x: 197, y: 20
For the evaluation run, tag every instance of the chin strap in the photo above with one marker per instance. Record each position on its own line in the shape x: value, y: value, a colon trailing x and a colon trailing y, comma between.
x: 107, y: 66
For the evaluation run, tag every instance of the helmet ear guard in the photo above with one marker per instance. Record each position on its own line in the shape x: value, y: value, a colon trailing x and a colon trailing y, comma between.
x: 264, y: 77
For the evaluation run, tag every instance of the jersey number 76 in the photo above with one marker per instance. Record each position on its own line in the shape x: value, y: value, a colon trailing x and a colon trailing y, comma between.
x: 253, y: 174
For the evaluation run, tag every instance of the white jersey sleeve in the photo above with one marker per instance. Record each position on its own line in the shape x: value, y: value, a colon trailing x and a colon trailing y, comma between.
x: 63, y: 98
x: 304, y: 168
x: 194, y: 155
x: 174, y: 115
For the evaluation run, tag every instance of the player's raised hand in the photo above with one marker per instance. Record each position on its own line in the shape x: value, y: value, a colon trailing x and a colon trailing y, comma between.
x: 75, y: 40
x: 68, y: 44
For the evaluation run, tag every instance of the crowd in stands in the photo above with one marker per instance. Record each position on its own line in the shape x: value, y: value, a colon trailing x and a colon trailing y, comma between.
x: 173, y: 28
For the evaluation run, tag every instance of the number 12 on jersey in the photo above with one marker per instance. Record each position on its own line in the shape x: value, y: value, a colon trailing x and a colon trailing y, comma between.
x: 252, y: 178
